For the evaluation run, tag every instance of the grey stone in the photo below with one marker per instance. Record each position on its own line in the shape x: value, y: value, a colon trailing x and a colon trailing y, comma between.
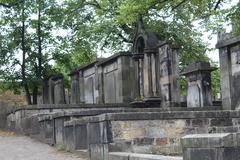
x: 199, y: 84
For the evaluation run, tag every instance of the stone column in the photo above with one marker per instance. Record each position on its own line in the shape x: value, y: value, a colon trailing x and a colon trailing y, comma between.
x: 199, y: 84
x: 51, y: 90
x: 137, y: 64
x: 229, y: 57
x: 149, y: 65
x: 45, y: 91
x: 169, y: 75
x: 59, y: 92
x: 81, y: 87
x: 100, y: 85
x: 75, y: 93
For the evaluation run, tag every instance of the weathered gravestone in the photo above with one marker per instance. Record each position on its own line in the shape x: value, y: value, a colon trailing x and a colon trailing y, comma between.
x: 88, y: 83
x: 75, y: 88
x: 59, y: 91
x: 45, y: 91
x: 115, y: 79
x: 229, y: 54
x: 199, y: 84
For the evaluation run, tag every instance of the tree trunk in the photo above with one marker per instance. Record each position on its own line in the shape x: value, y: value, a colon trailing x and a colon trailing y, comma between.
x: 23, y: 66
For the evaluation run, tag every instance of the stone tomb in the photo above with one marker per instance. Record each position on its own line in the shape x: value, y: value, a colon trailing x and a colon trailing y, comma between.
x: 116, y: 79
x: 156, y: 71
x: 88, y: 79
x: 229, y: 56
x: 199, y: 84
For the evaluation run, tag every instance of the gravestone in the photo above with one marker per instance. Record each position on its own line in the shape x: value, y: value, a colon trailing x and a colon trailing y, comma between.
x: 75, y: 90
x: 51, y: 90
x: 229, y: 57
x: 146, y: 61
x: 59, y: 92
x: 115, y: 79
x: 199, y: 84
x: 169, y: 74
x: 88, y: 80
x: 45, y: 91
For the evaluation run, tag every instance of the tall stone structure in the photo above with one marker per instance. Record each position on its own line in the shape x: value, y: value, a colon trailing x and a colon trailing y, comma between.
x: 229, y: 56
x: 169, y: 74
x: 59, y: 91
x: 145, y: 55
x: 115, y: 80
x: 199, y: 84
x: 75, y: 88
x: 156, y: 69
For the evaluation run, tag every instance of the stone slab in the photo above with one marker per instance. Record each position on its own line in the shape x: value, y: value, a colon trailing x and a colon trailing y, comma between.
x: 135, y: 156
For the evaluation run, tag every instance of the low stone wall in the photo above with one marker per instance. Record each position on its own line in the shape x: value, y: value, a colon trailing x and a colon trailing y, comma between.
x: 157, y: 133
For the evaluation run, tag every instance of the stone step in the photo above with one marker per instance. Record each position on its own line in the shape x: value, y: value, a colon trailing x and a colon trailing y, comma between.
x: 136, y: 156
x: 82, y: 153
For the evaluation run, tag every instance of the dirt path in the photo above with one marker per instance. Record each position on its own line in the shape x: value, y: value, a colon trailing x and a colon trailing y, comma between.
x: 15, y: 147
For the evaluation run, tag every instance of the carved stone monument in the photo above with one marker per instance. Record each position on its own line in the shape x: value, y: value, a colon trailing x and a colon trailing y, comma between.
x: 229, y: 54
x: 145, y: 55
x: 59, y: 92
x: 169, y: 74
x: 199, y: 84
x: 75, y: 89
x: 115, y: 79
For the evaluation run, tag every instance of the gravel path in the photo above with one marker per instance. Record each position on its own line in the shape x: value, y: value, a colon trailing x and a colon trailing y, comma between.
x: 14, y: 147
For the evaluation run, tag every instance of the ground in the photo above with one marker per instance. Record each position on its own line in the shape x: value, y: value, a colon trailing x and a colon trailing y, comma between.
x: 17, y: 147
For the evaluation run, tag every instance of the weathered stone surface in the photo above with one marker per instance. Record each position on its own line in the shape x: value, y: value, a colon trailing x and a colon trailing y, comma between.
x: 199, y: 84
x: 229, y: 52
x: 134, y: 156
x: 211, y: 146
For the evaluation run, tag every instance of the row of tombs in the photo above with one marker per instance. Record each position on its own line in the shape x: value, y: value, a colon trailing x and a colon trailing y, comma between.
x: 149, y: 75
x: 112, y: 130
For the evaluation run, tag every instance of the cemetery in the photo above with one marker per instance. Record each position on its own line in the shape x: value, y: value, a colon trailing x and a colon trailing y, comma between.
x: 128, y: 106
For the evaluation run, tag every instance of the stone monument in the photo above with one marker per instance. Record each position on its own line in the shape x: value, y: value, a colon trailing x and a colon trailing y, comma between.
x: 199, y: 84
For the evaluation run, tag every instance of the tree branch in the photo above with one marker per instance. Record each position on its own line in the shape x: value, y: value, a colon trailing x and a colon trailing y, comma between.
x: 178, y: 5
x: 217, y: 4
x: 124, y: 38
x: 10, y: 5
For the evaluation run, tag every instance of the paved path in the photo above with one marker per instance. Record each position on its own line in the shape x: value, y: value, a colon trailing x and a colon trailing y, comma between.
x: 14, y: 147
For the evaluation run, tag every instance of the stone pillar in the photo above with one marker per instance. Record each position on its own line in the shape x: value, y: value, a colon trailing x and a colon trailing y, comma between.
x: 45, y: 91
x: 229, y: 57
x: 199, y: 84
x: 149, y: 72
x: 81, y: 86
x: 221, y: 146
x: 152, y: 97
x: 169, y: 75
x: 59, y: 92
x: 75, y: 96
x: 51, y: 90
x: 99, y: 138
x: 100, y: 85
x: 138, y: 75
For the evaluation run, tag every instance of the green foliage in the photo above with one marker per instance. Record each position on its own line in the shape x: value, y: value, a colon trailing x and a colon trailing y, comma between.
x: 74, y: 31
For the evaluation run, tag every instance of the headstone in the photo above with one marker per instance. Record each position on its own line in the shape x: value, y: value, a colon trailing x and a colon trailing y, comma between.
x: 169, y: 74
x: 115, y: 78
x: 229, y: 57
x: 199, y: 84
x: 51, y: 90
x: 145, y: 55
x: 45, y: 91
x: 75, y: 90
x: 59, y: 92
